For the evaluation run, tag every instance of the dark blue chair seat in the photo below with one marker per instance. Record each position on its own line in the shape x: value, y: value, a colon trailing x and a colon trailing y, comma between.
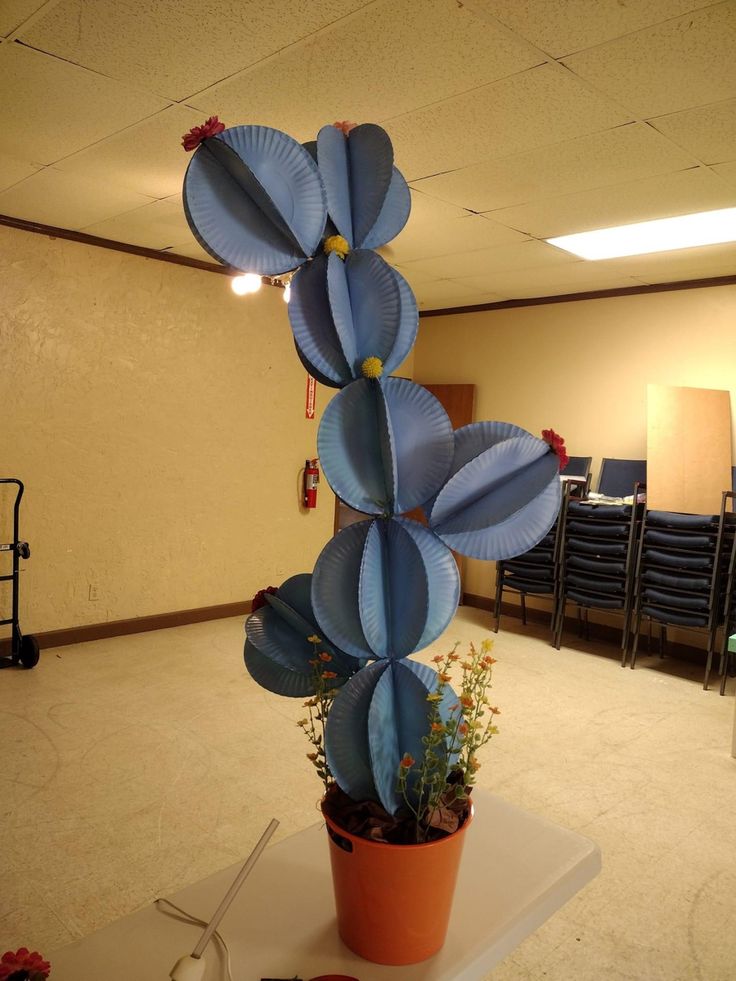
x: 528, y: 585
x: 600, y: 510
x: 679, y: 541
x: 599, y: 530
x: 682, y: 601
x: 672, y: 519
x: 599, y: 585
x: 678, y: 561
x: 529, y: 571
x: 678, y: 582
x: 596, y: 548
x: 601, y: 568
x: 668, y: 616
x: 591, y: 599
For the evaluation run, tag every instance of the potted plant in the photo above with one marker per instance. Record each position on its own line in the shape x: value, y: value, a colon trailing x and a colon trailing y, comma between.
x: 394, y: 744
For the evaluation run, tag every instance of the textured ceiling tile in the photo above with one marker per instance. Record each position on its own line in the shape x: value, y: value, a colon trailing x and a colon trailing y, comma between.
x: 159, y: 225
x: 58, y: 108
x: 13, y: 170
x: 575, y: 278
x: 14, y: 12
x: 686, y: 62
x: 147, y: 157
x: 538, y: 107
x: 560, y: 27
x: 617, y: 155
x: 727, y: 171
x: 448, y: 293
x: 523, y: 256
x: 708, y: 131
x: 177, y: 47
x: 424, y: 239
x: 384, y: 61
x: 53, y: 198
x: 656, y: 197
x: 704, y: 262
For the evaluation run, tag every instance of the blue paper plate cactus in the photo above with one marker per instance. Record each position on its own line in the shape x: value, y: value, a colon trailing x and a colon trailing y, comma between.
x: 387, y: 587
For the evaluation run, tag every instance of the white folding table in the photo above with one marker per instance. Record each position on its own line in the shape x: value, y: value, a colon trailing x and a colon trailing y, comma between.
x: 517, y: 870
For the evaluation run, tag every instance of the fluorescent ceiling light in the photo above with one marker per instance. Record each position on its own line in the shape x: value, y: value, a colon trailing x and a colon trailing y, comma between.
x: 663, y: 235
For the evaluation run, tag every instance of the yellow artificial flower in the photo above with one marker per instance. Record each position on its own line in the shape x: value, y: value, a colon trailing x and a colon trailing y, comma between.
x: 372, y: 368
x: 336, y: 243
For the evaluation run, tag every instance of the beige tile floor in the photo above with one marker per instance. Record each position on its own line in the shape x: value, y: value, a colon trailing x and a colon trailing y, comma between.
x: 133, y: 766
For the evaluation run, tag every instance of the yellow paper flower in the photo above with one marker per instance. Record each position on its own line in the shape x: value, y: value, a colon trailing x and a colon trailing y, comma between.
x: 336, y: 243
x: 372, y: 368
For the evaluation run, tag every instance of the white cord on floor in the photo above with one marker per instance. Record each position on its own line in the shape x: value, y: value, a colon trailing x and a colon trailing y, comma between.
x: 195, y: 919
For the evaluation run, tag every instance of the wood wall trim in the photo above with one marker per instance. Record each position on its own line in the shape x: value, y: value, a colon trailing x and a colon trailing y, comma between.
x: 535, y: 301
x: 51, y: 231
x: 137, y: 625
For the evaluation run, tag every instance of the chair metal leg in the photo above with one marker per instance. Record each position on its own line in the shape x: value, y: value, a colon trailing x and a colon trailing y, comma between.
x: 635, y: 645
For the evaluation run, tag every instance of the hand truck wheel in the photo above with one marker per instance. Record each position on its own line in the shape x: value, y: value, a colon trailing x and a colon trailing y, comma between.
x: 29, y: 652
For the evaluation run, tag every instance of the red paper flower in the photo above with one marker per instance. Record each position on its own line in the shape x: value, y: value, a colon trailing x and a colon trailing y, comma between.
x: 23, y: 966
x: 345, y: 126
x: 192, y: 139
x: 260, y: 600
x: 557, y: 443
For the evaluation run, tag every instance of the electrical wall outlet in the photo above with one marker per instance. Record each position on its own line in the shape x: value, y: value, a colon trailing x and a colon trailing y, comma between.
x: 93, y: 594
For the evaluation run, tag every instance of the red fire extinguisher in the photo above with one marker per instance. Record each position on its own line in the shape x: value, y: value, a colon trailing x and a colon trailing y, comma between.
x: 311, y: 480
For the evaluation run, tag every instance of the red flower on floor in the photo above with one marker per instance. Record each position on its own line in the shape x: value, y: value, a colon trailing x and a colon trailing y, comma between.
x: 557, y: 444
x: 259, y: 600
x: 22, y: 965
x: 192, y: 139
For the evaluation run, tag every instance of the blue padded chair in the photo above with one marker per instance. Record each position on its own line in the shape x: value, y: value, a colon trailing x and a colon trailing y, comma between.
x: 578, y: 466
x: 617, y: 477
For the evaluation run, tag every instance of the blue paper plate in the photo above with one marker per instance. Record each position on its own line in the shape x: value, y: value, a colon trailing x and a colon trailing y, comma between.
x: 346, y: 735
x: 357, y: 171
x: 393, y: 215
x: 344, y: 311
x: 254, y: 199
x: 277, y: 650
x: 385, y: 588
x: 385, y: 448
x: 502, y: 501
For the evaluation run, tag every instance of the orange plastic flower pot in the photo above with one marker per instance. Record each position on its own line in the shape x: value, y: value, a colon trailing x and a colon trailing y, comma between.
x: 393, y: 901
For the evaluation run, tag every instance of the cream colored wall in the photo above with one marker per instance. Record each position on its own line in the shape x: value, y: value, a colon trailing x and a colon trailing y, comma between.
x: 158, y: 423
x: 582, y: 368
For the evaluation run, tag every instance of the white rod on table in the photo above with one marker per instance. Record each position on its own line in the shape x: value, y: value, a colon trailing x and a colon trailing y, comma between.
x: 233, y: 890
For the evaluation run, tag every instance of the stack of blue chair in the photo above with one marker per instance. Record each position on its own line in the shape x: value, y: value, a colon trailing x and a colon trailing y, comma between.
x: 680, y: 580
x: 536, y: 572
x: 598, y: 560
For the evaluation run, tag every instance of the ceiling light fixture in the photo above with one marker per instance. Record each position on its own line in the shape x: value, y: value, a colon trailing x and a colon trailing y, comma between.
x: 245, y: 283
x: 663, y: 235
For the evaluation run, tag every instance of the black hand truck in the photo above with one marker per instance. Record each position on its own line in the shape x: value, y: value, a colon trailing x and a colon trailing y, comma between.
x: 23, y: 650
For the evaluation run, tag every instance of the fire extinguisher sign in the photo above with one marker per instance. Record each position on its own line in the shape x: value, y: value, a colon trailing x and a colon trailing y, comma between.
x: 311, y: 397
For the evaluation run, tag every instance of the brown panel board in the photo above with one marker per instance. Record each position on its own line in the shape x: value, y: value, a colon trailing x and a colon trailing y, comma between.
x: 688, y: 448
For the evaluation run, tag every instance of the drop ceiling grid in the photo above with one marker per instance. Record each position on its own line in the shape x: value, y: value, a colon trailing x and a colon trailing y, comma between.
x: 668, y: 67
x: 562, y: 27
x: 482, y: 121
x: 684, y: 192
x: 392, y: 58
x: 614, y: 156
x: 52, y: 108
x: 177, y: 49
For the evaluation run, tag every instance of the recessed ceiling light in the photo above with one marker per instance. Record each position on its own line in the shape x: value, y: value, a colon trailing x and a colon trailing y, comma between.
x: 663, y: 235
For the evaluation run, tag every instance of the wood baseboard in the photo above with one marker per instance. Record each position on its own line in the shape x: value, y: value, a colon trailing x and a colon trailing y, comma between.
x: 136, y: 625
